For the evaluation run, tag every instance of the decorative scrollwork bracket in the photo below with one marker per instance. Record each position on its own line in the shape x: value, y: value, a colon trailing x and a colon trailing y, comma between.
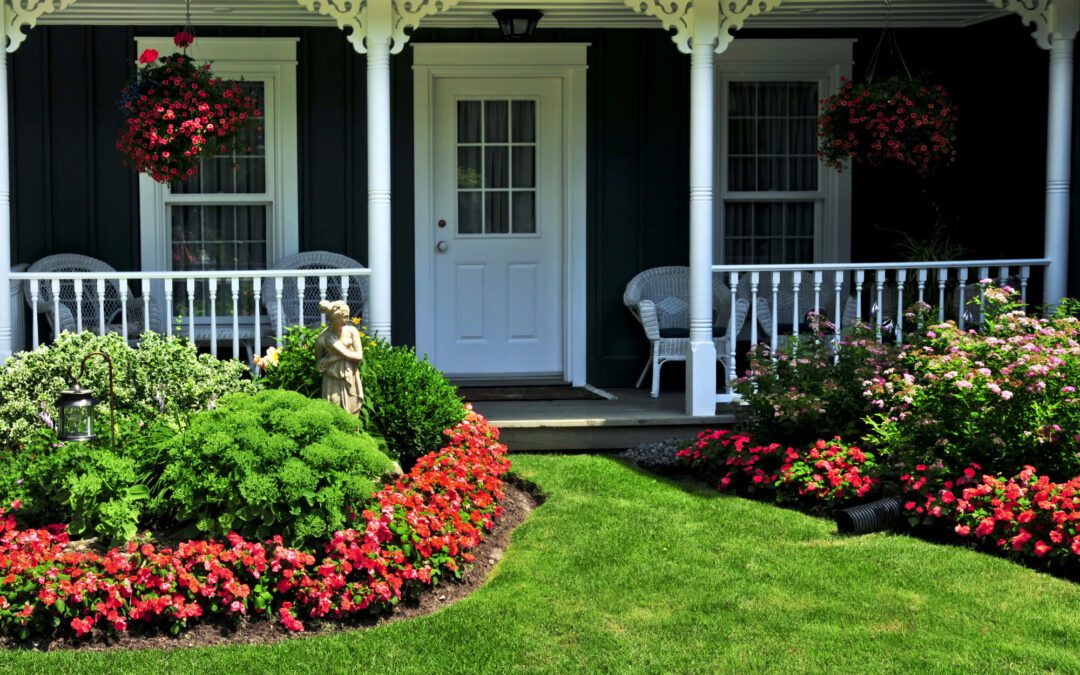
x: 366, y: 21
x: 695, y: 21
x: 22, y: 15
x: 1034, y: 13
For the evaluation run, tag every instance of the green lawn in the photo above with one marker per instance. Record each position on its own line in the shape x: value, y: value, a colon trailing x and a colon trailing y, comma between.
x: 620, y: 570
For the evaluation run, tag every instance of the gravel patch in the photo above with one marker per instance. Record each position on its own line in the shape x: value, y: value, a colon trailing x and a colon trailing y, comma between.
x: 660, y: 454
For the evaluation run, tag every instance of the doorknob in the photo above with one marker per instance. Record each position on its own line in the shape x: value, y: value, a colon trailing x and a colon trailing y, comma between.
x: 442, y: 247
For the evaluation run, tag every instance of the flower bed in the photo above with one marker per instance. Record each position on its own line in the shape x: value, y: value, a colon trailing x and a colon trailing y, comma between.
x: 425, y: 526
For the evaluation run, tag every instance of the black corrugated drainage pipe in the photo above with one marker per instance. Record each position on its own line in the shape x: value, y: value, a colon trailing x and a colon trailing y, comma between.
x: 866, y: 518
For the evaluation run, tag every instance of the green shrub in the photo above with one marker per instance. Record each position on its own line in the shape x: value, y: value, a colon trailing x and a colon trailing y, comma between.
x: 814, y: 387
x: 161, y: 379
x: 407, y: 401
x: 1003, y: 397
x: 291, y: 365
x: 273, y: 463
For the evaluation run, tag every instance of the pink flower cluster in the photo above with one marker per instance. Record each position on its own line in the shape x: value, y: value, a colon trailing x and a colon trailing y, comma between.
x: 1027, y: 515
x: 419, y: 528
x: 178, y: 112
x: 897, y: 120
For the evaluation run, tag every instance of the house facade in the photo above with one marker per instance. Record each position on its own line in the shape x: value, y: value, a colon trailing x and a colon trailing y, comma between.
x: 503, y: 192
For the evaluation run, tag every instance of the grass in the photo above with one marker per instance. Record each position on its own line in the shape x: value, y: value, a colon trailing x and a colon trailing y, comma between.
x: 621, y: 571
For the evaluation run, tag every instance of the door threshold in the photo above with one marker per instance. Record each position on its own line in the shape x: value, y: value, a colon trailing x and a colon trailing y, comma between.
x: 507, y: 381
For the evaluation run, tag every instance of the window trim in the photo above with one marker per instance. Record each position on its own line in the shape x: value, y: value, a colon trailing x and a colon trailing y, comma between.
x: 274, y: 61
x: 761, y: 60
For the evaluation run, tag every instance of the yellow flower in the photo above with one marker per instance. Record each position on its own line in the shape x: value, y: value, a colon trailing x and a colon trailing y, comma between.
x: 355, y: 320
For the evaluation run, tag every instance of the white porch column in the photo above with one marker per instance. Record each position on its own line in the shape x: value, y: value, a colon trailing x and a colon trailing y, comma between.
x: 1065, y: 21
x: 378, y: 170
x: 6, y: 318
x: 701, y: 358
x: 702, y: 28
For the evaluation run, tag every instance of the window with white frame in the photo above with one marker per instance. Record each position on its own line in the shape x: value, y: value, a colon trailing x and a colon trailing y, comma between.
x: 776, y: 203
x: 239, y: 211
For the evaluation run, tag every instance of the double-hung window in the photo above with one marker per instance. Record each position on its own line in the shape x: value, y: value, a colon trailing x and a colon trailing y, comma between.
x: 239, y: 211
x: 776, y: 203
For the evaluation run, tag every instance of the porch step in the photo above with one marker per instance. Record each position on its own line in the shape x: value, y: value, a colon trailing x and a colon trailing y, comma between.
x: 574, y: 426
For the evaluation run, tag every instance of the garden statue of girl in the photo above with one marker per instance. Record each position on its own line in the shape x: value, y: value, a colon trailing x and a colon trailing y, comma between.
x: 338, y: 353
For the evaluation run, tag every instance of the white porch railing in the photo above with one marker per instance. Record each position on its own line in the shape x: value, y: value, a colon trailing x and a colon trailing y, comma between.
x: 206, y: 306
x: 846, y: 293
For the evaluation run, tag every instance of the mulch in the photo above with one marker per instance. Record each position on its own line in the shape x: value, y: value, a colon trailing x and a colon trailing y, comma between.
x: 521, y: 498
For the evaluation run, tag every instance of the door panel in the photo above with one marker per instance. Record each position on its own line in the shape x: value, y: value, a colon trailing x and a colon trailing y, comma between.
x: 497, y: 240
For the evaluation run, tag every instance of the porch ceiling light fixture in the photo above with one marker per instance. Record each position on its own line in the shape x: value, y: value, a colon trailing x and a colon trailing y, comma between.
x: 517, y: 24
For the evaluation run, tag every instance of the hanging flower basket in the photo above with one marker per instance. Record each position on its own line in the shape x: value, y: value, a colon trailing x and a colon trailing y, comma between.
x: 897, y: 120
x: 177, y: 112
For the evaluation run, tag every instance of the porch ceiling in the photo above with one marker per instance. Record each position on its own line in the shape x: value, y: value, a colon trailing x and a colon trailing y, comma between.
x: 558, y: 13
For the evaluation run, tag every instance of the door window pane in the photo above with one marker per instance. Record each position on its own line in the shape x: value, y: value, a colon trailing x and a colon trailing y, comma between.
x: 497, y: 167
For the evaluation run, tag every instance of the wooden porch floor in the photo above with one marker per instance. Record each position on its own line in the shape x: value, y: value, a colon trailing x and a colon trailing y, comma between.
x: 633, y: 418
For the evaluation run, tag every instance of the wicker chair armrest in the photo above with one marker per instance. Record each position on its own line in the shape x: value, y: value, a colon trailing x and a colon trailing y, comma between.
x: 646, y: 314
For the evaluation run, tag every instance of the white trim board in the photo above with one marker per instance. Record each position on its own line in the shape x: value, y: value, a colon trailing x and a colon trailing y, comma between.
x: 566, y: 61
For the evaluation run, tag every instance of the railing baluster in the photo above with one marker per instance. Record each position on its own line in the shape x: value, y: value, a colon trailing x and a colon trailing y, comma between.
x: 168, y: 307
x: 880, y: 278
x: 78, y: 304
x: 344, y: 288
x: 774, y: 340
x: 191, y: 309
x: 818, y: 277
x: 860, y: 282
x: 755, y: 278
x: 901, y: 278
x: 1025, y: 274
x: 256, y: 289
x: 123, y: 308
x: 279, y: 289
x: 838, y: 283
x: 35, y: 291
x: 236, y: 317
x: 301, y: 289
x: 942, y: 281
x: 212, y: 288
x: 1003, y: 275
x: 733, y: 335
x: 962, y: 276
x: 984, y: 273
x: 101, y: 305
x: 322, y: 297
x: 923, y: 274
x: 56, y: 308
x: 145, y: 288
x: 796, y: 284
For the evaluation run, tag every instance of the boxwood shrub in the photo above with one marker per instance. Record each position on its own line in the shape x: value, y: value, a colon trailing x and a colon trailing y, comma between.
x: 273, y: 463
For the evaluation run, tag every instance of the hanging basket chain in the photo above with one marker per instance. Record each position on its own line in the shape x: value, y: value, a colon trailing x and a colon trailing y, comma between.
x: 888, y: 35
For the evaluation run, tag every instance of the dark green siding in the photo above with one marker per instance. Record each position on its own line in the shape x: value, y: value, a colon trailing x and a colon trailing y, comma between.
x: 72, y: 192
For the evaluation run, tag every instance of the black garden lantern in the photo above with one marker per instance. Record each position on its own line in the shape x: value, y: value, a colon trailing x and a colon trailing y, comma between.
x: 76, y: 407
x: 517, y: 24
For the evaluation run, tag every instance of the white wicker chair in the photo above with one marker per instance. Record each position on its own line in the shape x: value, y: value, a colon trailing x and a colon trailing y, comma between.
x: 659, y: 299
x: 70, y: 302
x: 290, y: 301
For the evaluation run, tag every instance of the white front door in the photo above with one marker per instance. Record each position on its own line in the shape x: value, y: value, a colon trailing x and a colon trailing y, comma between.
x: 498, y: 226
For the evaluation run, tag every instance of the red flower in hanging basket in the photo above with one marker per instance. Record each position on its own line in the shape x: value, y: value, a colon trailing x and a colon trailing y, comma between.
x: 183, y: 39
x: 148, y: 56
x: 177, y: 113
x: 897, y: 120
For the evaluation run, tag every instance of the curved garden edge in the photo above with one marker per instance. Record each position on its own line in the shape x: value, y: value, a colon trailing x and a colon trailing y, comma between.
x: 419, y: 529
x: 521, y: 498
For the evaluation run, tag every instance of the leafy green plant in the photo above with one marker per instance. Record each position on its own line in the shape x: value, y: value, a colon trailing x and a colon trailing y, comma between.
x: 814, y: 385
x: 162, y: 379
x: 273, y: 463
x: 409, y: 400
